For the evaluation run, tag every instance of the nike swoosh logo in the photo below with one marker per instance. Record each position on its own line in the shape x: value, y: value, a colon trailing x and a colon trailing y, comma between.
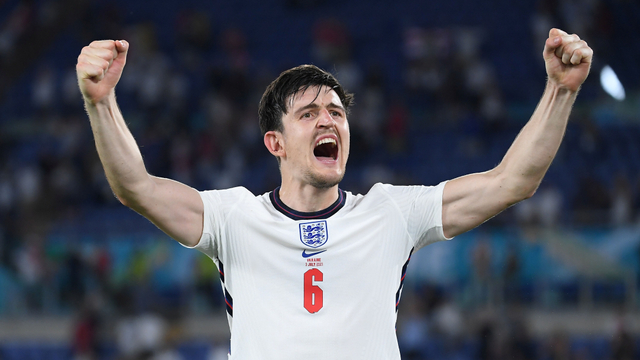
x: 305, y: 255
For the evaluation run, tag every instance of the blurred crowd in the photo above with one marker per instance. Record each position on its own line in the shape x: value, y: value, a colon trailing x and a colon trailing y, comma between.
x: 191, y: 103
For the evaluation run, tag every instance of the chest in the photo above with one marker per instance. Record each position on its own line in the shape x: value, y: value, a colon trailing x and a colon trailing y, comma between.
x: 259, y: 240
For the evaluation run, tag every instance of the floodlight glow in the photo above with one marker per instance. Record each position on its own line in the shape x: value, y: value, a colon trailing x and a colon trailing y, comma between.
x: 611, y: 84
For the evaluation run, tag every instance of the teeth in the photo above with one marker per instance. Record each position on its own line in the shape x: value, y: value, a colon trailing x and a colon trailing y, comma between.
x: 326, y: 141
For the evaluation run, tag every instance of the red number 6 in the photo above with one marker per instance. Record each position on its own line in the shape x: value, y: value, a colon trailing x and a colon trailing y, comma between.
x: 312, y: 293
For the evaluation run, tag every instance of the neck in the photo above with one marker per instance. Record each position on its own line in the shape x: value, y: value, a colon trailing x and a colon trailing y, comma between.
x: 308, y: 198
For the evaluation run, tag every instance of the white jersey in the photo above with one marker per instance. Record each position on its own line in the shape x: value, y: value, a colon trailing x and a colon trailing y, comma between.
x: 322, y: 285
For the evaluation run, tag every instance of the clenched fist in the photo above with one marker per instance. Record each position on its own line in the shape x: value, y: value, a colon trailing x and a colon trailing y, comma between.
x: 99, y: 68
x: 567, y: 59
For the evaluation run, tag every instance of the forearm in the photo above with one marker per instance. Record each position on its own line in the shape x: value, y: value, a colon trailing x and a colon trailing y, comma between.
x: 470, y: 200
x: 117, y: 149
x: 533, y: 150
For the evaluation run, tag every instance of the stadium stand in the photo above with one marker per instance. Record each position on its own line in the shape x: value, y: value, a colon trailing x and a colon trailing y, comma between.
x: 442, y: 89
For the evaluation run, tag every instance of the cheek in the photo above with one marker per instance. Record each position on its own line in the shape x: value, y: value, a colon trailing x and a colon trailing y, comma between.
x: 347, y: 135
x: 346, y: 149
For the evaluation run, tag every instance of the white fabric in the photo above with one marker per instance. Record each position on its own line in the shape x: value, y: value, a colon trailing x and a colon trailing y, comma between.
x: 367, y: 243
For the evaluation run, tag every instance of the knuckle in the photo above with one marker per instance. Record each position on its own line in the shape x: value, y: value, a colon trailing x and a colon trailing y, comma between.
x: 102, y: 53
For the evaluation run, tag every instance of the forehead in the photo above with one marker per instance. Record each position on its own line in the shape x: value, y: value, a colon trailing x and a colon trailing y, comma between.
x: 321, y: 94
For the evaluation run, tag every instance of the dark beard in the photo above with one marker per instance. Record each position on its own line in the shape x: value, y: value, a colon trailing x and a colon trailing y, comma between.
x: 323, y: 183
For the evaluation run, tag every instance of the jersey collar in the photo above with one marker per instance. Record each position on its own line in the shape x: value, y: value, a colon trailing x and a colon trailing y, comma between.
x: 274, y: 196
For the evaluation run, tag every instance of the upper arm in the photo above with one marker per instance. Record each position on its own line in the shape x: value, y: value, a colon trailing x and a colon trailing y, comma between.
x: 470, y: 200
x: 175, y: 208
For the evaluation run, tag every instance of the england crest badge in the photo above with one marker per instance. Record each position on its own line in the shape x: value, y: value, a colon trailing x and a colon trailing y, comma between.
x: 314, y: 234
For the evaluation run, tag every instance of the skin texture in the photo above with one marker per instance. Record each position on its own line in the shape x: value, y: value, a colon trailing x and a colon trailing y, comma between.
x: 174, y: 207
x: 309, y: 183
x: 470, y: 200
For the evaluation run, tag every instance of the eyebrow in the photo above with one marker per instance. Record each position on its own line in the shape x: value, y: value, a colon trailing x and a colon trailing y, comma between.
x: 315, y: 106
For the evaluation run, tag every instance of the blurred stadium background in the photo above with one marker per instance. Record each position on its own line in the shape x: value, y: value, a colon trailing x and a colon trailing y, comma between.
x: 442, y: 88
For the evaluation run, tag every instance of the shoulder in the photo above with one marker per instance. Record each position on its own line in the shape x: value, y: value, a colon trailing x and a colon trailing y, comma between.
x: 377, y: 195
x: 235, y: 192
x: 405, y: 198
x: 400, y: 191
x: 229, y: 197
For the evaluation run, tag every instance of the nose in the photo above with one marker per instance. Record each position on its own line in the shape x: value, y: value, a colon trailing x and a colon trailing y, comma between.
x: 325, y: 119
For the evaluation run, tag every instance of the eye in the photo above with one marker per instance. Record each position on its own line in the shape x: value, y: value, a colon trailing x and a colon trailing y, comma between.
x: 306, y: 115
x: 336, y: 113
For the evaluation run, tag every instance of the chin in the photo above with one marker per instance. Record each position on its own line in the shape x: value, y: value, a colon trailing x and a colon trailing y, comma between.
x: 325, y: 182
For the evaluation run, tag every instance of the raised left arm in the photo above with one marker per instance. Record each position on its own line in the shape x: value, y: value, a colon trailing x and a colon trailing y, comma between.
x: 470, y: 200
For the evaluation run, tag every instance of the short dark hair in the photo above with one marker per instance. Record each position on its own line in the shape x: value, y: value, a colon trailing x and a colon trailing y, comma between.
x: 273, y: 105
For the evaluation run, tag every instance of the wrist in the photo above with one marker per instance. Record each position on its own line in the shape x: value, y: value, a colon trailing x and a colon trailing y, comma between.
x: 560, y: 90
x: 106, y: 100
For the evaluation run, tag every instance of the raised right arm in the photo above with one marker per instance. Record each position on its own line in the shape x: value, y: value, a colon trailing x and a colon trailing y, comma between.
x: 175, y: 208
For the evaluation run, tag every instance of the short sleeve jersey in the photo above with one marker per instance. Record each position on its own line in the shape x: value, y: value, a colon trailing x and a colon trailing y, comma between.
x: 322, y: 285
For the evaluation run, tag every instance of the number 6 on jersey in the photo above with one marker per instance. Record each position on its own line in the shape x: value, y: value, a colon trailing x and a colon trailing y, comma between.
x: 312, y: 293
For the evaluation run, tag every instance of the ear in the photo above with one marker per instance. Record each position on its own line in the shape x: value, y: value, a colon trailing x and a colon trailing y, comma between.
x: 274, y: 143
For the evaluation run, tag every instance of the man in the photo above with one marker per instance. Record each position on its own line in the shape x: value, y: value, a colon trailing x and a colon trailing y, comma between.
x: 309, y: 270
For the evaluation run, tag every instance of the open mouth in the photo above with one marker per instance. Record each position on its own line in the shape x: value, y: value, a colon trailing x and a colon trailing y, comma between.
x: 326, y: 149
